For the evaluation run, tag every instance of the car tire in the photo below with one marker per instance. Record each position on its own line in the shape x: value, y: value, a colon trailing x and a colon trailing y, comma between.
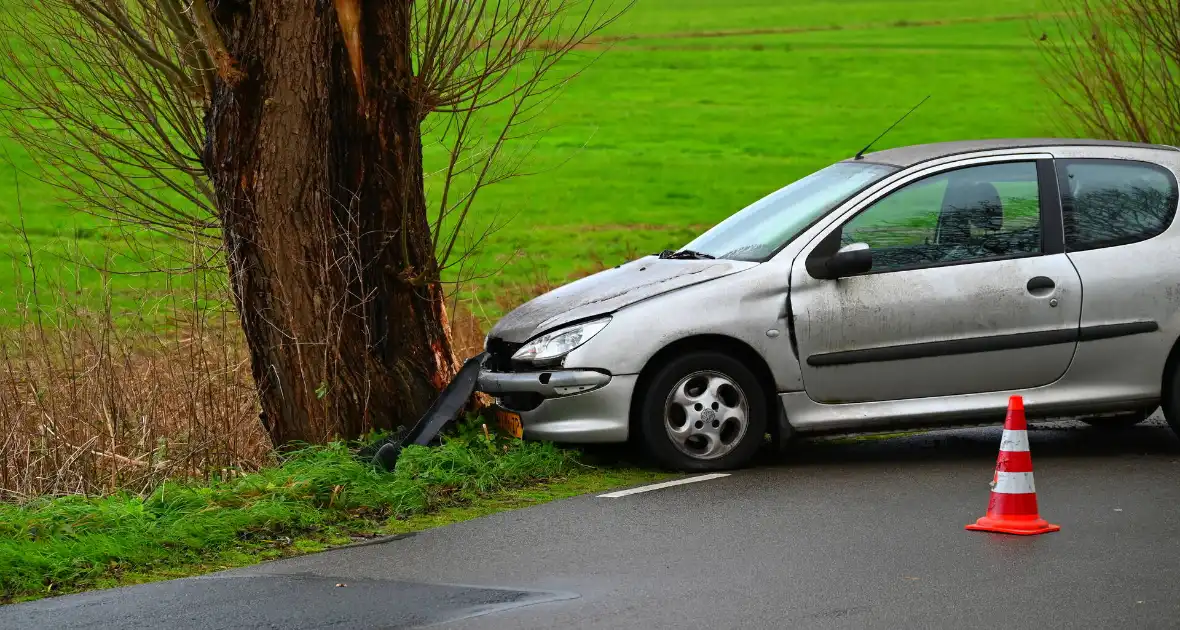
x: 1118, y: 421
x: 1171, y: 402
x: 703, y: 411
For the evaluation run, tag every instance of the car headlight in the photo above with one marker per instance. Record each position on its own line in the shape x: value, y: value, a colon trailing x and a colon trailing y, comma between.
x: 560, y: 342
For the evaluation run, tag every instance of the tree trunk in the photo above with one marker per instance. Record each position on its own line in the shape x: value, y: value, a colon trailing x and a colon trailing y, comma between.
x: 320, y: 187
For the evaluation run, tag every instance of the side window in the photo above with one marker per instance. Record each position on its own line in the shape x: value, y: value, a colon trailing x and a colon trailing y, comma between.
x: 965, y: 215
x: 1114, y: 202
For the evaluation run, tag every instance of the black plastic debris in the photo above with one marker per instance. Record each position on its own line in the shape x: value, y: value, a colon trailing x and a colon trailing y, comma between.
x: 443, y: 412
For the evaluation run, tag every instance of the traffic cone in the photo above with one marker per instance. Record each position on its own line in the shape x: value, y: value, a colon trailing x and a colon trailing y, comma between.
x: 1013, y: 505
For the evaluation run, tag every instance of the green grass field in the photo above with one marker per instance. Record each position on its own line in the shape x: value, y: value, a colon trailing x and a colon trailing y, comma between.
x: 695, y: 111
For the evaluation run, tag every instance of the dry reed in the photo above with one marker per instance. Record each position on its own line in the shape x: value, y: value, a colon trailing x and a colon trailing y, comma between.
x: 97, y: 400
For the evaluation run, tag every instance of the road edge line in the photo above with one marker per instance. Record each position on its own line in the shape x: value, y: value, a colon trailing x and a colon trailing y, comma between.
x: 661, y: 485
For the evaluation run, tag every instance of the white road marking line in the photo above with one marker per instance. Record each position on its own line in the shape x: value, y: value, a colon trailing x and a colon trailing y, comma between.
x: 659, y: 486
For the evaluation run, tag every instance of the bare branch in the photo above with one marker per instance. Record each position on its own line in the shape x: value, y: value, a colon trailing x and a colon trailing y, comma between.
x: 1115, y: 66
x: 108, y: 98
x: 483, y: 70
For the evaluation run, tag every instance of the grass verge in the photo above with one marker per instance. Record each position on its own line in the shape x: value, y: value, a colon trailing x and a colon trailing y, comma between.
x: 314, y: 499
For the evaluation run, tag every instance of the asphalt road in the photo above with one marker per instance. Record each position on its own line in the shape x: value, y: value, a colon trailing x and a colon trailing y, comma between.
x: 831, y: 535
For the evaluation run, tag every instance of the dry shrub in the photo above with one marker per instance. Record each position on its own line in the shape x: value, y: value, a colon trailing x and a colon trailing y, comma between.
x: 467, y: 332
x: 90, y: 404
x: 87, y: 406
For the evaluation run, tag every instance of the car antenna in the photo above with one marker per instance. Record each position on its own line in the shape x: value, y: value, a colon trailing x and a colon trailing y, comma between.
x: 861, y: 154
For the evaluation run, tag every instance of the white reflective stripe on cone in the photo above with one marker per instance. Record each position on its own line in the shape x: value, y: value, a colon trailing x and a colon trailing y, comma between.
x: 1014, y: 483
x: 1014, y: 441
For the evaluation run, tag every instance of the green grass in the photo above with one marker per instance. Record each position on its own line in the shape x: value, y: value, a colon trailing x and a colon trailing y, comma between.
x: 316, y: 498
x: 671, y: 131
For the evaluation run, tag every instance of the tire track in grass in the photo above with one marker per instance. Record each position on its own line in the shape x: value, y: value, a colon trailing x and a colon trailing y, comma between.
x: 881, y: 46
x: 609, y: 40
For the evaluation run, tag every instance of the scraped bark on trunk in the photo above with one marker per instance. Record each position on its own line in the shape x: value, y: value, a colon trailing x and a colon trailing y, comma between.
x: 316, y: 159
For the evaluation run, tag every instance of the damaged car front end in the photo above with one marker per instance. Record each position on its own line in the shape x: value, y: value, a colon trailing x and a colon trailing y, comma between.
x: 545, y: 385
x: 532, y: 388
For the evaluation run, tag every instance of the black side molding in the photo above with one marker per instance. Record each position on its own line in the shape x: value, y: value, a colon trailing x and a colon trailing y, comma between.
x: 1110, y: 331
x: 972, y: 345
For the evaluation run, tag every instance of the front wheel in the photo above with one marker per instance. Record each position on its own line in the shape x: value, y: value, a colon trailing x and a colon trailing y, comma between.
x: 704, y: 411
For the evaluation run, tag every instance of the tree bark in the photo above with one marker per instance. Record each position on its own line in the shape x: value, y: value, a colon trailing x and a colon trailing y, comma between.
x: 320, y: 186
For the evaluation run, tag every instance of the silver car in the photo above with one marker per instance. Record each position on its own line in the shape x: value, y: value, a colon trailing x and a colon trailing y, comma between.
x: 911, y: 287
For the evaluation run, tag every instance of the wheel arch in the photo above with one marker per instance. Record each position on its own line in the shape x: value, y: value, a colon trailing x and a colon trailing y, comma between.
x: 776, y: 424
x: 1171, y: 364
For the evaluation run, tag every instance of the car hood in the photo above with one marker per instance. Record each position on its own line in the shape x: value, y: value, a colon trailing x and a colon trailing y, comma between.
x: 607, y: 291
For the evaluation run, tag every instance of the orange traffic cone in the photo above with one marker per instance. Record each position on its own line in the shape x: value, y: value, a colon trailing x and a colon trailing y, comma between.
x: 1013, y: 505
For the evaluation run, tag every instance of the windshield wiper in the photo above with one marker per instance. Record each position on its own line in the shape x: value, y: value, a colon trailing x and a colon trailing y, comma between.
x: 685, y: 254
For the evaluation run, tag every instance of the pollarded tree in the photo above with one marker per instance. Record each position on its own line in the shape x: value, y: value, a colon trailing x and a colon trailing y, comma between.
x: 290, y: 134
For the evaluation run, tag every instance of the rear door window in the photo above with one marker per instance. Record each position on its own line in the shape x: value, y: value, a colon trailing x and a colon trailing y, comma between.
x: 1114, y: 202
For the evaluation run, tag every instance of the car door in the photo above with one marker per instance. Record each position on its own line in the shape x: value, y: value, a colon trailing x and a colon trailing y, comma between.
x: 969, y: 290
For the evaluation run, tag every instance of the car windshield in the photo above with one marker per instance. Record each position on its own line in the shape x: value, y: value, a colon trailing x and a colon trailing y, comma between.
x: 761, y: 229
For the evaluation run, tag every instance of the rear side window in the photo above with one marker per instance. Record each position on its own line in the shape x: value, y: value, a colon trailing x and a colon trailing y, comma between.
x: 1114, y: 202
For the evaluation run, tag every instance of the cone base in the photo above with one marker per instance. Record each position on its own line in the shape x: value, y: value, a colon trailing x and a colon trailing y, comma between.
x: 1024, y: 527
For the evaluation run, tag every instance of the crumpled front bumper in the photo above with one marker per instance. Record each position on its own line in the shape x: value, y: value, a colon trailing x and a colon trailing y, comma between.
x: 565, y: 405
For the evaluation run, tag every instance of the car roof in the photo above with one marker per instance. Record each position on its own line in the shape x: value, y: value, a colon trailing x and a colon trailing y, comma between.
x: 915, y: 154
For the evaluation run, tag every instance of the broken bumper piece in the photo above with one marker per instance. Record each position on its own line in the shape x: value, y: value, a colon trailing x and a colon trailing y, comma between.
x: 571, y: 406
x: 444, y: 411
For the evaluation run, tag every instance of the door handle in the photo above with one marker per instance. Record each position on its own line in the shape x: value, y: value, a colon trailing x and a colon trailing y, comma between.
x: 1040, y: 284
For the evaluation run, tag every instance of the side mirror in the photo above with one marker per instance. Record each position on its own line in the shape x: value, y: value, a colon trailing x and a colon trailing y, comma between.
x: 851, y: 260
